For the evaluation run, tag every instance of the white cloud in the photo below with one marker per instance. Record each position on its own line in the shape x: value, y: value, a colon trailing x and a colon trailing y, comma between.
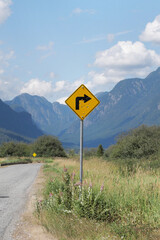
x: 37, y: 87
x: 48, y: 47
x: 123, y: 60
x: 125, y: 55
x: 79, y: 11
x: 151, y: 32
x: 62, y: 100
x: 50, y: 90
x: 5, y: 10
x: 59, y: 86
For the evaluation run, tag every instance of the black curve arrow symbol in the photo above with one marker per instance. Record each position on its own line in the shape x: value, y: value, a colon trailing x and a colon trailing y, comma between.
x: 85, y: 99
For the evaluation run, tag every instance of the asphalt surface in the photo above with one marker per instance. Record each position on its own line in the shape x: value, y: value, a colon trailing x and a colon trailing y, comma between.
x: 15, y: 183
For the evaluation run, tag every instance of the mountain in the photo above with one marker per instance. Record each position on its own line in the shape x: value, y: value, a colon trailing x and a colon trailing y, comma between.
x: 8, y: 136
x: 17, y: 124
x: 130, y: 103
x: 51, y: 118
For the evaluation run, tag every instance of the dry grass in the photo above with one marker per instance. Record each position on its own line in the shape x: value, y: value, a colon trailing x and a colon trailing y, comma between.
x: 135, y: 196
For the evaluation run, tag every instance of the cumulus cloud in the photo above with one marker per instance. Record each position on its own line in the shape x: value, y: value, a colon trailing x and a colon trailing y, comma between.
x: 151, y: 32
x: 126, y: 55
x: 123, y: 60
x: 62, y: 100
x: 37, y: 87
x: 50, y: 90
x: 5, y: 10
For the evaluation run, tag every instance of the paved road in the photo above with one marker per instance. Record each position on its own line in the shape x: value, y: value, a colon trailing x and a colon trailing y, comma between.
x: 15, y: 183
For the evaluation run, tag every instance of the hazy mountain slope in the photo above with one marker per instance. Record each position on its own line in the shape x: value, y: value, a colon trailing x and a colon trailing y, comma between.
x: 131, y: 103
x: 51, y: 118
x: 38, y: 107
x: 7, y: 136
x: 18, y: 122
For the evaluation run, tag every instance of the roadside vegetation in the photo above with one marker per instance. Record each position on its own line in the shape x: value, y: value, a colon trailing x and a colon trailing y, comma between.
x: 120, y: 195
x: 44, y: 146
x: 21, y: 153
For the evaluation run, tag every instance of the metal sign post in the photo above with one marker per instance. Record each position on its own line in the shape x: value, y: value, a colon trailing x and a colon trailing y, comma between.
x: 81, y: 151
x: 82, y: 102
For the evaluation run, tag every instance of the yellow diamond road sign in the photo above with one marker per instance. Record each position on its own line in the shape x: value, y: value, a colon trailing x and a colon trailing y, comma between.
x: 82, y: 102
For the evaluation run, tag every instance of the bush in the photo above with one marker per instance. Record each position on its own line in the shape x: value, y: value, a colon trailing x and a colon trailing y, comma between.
x: 138, y: 143
x: 69, y: 197
x: 48, y: 146
x: 71, y: 153
x: 14, y: 149
x: 100, y: 151
x: 92, y: 152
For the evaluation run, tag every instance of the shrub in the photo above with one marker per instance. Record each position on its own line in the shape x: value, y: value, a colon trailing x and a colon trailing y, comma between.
x: 100, y: 151
x: 69, y: 197
x: 92, y: 152
x: 48, y: 146
x: 141, y: 142
x: 14, y: 149
x: 71, y: 153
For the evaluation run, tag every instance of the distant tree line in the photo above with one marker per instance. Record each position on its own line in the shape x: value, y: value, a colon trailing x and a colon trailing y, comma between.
x: 44, y: 146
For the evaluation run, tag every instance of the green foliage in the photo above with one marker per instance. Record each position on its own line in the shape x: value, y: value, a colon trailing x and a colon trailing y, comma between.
x: 91, y: 152
x: 48, y: 146
x: 138, y: 143
x: 44, y: 146
x: 127, y: 206
x: 15, y: 161
x: 71, y: 153
x: 100, y: 151
x: 14, y: 149
x: 67, y: 196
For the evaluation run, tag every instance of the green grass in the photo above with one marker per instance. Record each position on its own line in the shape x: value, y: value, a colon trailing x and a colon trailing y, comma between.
x: 134, y: 200
x: 23, y: 160
x: 15, y: 161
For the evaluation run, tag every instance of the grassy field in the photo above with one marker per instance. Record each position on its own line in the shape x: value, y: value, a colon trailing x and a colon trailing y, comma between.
x: 132, y: 201
x: 20, y: 160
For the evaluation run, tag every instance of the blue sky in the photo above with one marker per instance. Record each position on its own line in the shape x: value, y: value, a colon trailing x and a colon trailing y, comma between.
x: 50, y: 47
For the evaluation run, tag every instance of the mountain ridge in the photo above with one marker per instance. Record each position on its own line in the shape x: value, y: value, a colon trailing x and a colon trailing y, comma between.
x: 17, y: 123
x: 130, y: 103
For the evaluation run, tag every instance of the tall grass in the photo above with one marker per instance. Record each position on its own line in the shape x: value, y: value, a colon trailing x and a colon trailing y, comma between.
x: 133, y: 199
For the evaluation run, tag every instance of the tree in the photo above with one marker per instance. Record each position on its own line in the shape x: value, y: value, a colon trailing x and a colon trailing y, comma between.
x: 18, y: 149
x: 137, y: 143
x: 100, y: 151
x: 48, y: 146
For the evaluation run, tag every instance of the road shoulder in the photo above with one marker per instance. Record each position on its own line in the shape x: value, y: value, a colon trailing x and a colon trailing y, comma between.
x: 28, y: 228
